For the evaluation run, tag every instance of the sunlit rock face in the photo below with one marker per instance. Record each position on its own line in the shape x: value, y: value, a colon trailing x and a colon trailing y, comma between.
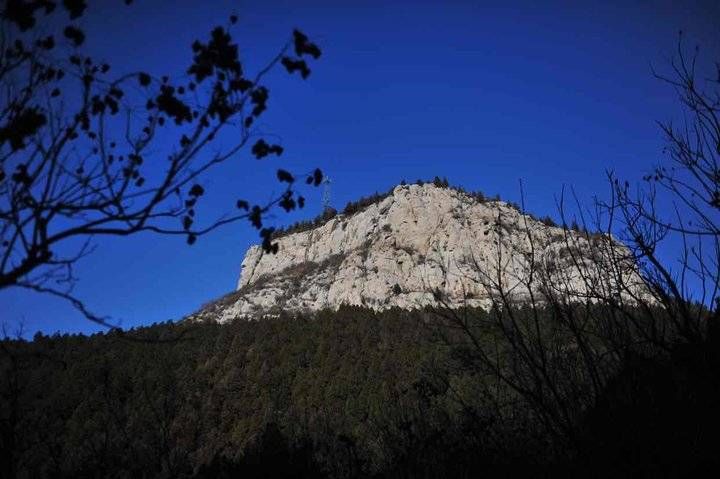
x: 424, y: 245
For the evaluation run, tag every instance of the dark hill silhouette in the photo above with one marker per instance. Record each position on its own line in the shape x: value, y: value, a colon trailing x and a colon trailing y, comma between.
x: 352, y: 393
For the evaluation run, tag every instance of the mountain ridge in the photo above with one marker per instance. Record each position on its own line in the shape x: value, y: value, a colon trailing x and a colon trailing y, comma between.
x: 421, y: 245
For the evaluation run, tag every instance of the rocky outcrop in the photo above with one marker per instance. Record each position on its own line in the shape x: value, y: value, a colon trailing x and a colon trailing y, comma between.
x: 422, y: 245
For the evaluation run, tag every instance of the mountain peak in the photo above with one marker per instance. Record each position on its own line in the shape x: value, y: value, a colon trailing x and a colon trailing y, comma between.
x: 413, y: 247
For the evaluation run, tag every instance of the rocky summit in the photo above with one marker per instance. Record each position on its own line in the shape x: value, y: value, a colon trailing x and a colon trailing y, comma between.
x: 418, y: 246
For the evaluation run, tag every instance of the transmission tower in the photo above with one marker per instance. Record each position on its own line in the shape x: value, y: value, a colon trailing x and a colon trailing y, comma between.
x: 326, y: 193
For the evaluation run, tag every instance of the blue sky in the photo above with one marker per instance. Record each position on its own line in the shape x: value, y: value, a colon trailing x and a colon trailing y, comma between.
x: 484, y: 94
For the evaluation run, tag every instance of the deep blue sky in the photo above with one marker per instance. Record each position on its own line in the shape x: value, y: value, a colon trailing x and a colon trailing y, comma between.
x: 484, y: 94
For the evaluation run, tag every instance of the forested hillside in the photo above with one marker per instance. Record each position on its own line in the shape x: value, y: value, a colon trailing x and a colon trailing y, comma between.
x: 352, y: 393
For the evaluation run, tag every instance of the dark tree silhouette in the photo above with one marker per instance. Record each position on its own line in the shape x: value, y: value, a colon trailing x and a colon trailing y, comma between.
x: 680, y: 200
x: 81, y: 149
x: 593, y: 350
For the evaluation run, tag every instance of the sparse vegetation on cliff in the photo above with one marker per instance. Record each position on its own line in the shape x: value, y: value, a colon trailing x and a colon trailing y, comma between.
x: 354, y: 207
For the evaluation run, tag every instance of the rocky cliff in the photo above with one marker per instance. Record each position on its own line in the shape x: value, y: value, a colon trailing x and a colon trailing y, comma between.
x: 423, y: 245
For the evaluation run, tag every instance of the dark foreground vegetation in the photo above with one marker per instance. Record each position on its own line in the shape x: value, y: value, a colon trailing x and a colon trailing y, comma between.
x: 344, y: 394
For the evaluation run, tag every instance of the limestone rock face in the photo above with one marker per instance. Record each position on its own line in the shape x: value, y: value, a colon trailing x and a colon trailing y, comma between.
x: 421, y: 245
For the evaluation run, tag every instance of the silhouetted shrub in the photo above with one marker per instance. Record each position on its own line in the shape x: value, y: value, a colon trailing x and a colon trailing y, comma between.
x: 357, y: 206
x: 548, y: 221
x: 441, y: 183
x: 327, y: 214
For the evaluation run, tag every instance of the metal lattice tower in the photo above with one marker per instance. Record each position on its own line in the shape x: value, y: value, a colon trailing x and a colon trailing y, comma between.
x: 326, y: 193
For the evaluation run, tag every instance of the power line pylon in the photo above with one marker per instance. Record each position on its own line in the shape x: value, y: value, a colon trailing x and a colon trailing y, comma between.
x: 326, y: 193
